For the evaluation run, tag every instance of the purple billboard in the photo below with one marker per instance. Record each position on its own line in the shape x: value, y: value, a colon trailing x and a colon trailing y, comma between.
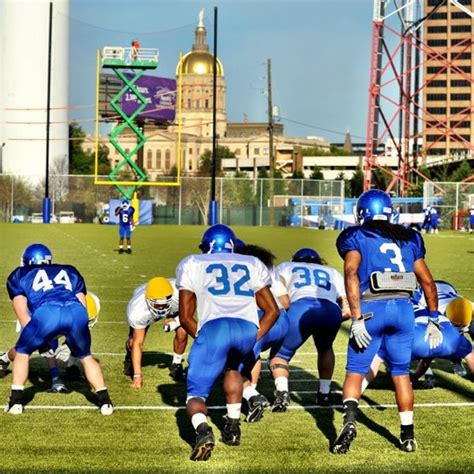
x: 160, y: 94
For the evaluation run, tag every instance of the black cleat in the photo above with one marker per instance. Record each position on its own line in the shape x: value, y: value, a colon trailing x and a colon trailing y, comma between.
x: 255, y: 407
x: 282, y: 400
x: 407, y: 439
x: 4, y: 368
x: 231, y: 432
x: 129, y: 251
x: 343, y: 441
x: 176, y: 372
x: 323, y: 399
x: 204, y: 443
x: 57, y: 386
x: 16, y: 403
x: 121, y: 250
x: 127, y: 367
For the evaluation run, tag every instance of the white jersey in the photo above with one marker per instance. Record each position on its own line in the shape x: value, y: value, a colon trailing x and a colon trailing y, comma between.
x: 446, y: 293
x: 278, y: 289
x: 310, y: 280
x: 224, y: 284
x: 138, y: 314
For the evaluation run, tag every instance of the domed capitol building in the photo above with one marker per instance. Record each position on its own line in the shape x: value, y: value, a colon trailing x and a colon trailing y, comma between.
x: 248, y: 141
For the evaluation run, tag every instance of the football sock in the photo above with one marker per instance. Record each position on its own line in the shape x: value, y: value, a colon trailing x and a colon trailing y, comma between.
x: 406, y: 418
x: 197, y: 419
x: 5, y: 358
x: 103, y: 395
x: 324, y: 385
x: 249, y: 392
x: 407, y: 432
x: 233, y: 410
x: 120, y: 246
x: 281, y: 384
x: 177, y: 358
x: 129, y: 246
x: 350, y: 406
x: 16, y: 397
x: 54, y: 372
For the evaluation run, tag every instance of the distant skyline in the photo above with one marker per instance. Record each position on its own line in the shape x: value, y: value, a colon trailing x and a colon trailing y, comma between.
x: 319, y: 50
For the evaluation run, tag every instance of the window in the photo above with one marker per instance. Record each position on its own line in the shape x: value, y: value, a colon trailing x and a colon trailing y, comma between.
x: 436, y: 151
x: 188, y: 105
x: 459, y: 56
x: 167, y: 159
x: 190, y: 165
x: 437, y: 83
x: 190, y: 151
x: 437, y: 42
x: 256, y: 151
x: 116, y: 162
x: 460, y: 96
x: 433, y: 69
x: 461, y: 137
x: 465, y: 124
x: 149, y: 159
x: 436, y: 96
x: 461, y: 29
x: 457, y: 41
x: 436, y: 110
x: 439, y: 16
x: 265, y: 151
x: 457, y: 110
x: 158, y: 159
x: 206, y: 103
x: 465, y: 68
x: 434, y: 138
x: 458, y: 15
x: 437, y: 29
x: 460, y: 83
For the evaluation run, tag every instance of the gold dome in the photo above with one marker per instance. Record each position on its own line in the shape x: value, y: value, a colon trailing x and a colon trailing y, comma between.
x: 199, y: 62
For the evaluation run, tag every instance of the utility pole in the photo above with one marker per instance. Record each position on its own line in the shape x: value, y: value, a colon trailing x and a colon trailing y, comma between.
x: 270, y: 142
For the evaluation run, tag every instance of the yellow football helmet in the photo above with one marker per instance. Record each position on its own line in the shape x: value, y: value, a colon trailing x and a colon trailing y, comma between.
x: 158, y: 296
x: 93, y: 308
x: 459, y: 311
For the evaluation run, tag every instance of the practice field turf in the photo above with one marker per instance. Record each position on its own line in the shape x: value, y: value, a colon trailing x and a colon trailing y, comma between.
x: 149, y: 432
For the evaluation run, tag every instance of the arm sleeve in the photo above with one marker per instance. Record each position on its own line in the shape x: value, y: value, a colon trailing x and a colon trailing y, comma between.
x: 13, y: 285
x: 184, y: 275
x: 347, y: 242
x: 418, y: 246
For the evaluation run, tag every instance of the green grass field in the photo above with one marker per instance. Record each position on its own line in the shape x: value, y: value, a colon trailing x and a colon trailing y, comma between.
x: 149, y: 431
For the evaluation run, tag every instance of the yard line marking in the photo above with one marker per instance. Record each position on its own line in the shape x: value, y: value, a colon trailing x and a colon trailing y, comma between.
x: 223, y: 407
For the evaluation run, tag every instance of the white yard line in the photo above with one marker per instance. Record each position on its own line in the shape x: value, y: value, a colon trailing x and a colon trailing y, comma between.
x: 223, y: 407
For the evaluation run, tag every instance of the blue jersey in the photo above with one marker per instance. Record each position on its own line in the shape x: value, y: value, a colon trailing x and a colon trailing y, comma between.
x: 471, y: 216
x: 380, y: 253
x: 126, y: 215
x: 42, y: 284
x: 396, y: 216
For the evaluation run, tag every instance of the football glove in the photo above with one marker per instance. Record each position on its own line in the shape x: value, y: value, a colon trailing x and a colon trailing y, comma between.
x: 359, y: 332
x: 171, y: 325
x: 433, y: 334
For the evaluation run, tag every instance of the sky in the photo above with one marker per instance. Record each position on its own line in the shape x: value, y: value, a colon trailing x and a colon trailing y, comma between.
x: 319, y: 51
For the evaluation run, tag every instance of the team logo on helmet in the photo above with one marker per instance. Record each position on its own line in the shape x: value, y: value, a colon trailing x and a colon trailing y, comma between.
x: 36, y: 254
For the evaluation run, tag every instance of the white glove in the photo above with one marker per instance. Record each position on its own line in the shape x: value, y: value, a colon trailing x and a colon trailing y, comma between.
x: 63, y: 352
x: 172, y: 325
x: 359, y: 332
x: 433, y: 334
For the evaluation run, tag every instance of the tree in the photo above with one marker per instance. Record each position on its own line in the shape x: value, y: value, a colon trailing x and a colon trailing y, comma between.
x: 205, y: 166
x: 462, y: 172
x: 297, y: 175
x: 357, y: 182
x: 316, y: 173
x: 347, y: 184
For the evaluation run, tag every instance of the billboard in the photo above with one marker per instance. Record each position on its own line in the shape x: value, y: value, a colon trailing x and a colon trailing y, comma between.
x: 159, y: 92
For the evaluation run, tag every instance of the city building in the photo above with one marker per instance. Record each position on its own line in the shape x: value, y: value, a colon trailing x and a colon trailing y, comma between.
x: 448, y: 130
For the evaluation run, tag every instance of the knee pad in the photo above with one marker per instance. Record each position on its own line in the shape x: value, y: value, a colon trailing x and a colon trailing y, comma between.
x: 279, y: 366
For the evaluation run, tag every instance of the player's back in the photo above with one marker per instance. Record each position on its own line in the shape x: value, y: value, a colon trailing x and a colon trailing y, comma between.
x: 224, y: 284
x: 45, y: 284
x: 311, y: 280
x: 380, y: 253
x: 446, y: 293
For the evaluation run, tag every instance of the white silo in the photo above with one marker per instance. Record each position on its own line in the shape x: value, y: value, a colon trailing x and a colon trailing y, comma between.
x: 24, y: 27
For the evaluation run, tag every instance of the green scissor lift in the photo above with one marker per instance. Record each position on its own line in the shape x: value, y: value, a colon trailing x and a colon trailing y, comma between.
x: 137, y: 61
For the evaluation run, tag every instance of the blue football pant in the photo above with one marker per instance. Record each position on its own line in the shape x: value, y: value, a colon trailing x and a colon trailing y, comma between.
x: 272, y: 340
x: 311, y: 317
x: 220, y: 344
x: 52, y: 320
x: 392, y: 324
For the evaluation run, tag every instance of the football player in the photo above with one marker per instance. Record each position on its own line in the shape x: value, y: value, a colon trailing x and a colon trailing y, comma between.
x: 125, y: 214
x: 49, y: 301
x: 255, y: 402
x: 382, y: 262
x: 454, y: 322
x: 151, y: 302
x: 317, y: 297
x: 226, y: 289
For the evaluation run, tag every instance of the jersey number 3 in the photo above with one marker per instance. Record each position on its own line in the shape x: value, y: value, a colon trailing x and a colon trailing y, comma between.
x: 223, y: 283
x: 42, y: 281
x: 396, y: 259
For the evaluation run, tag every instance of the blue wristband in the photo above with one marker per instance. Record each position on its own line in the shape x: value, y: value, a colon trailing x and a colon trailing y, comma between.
x: 435, y: 314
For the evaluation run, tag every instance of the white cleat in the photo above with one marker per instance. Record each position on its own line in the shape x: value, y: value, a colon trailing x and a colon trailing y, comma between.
x: 16, y: 409
x: 106, y: 409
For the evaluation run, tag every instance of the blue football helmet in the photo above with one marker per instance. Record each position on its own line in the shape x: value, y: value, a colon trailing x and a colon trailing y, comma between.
x: 36, y: 254
x: 218, y: 239
x: 125, y: 203
x: 306, y: 255
x: 374, y: 205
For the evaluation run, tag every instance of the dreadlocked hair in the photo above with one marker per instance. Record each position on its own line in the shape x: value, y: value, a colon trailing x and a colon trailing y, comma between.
x: 394, y: 232
x: 264, y: 255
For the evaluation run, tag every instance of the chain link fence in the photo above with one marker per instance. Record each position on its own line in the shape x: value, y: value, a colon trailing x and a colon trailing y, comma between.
x: 452, y: 201
x: 241, y: 201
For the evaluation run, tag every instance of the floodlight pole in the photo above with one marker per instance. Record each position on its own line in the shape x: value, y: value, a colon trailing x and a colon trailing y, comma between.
x: 213, y: 203
x: 46, y: 200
